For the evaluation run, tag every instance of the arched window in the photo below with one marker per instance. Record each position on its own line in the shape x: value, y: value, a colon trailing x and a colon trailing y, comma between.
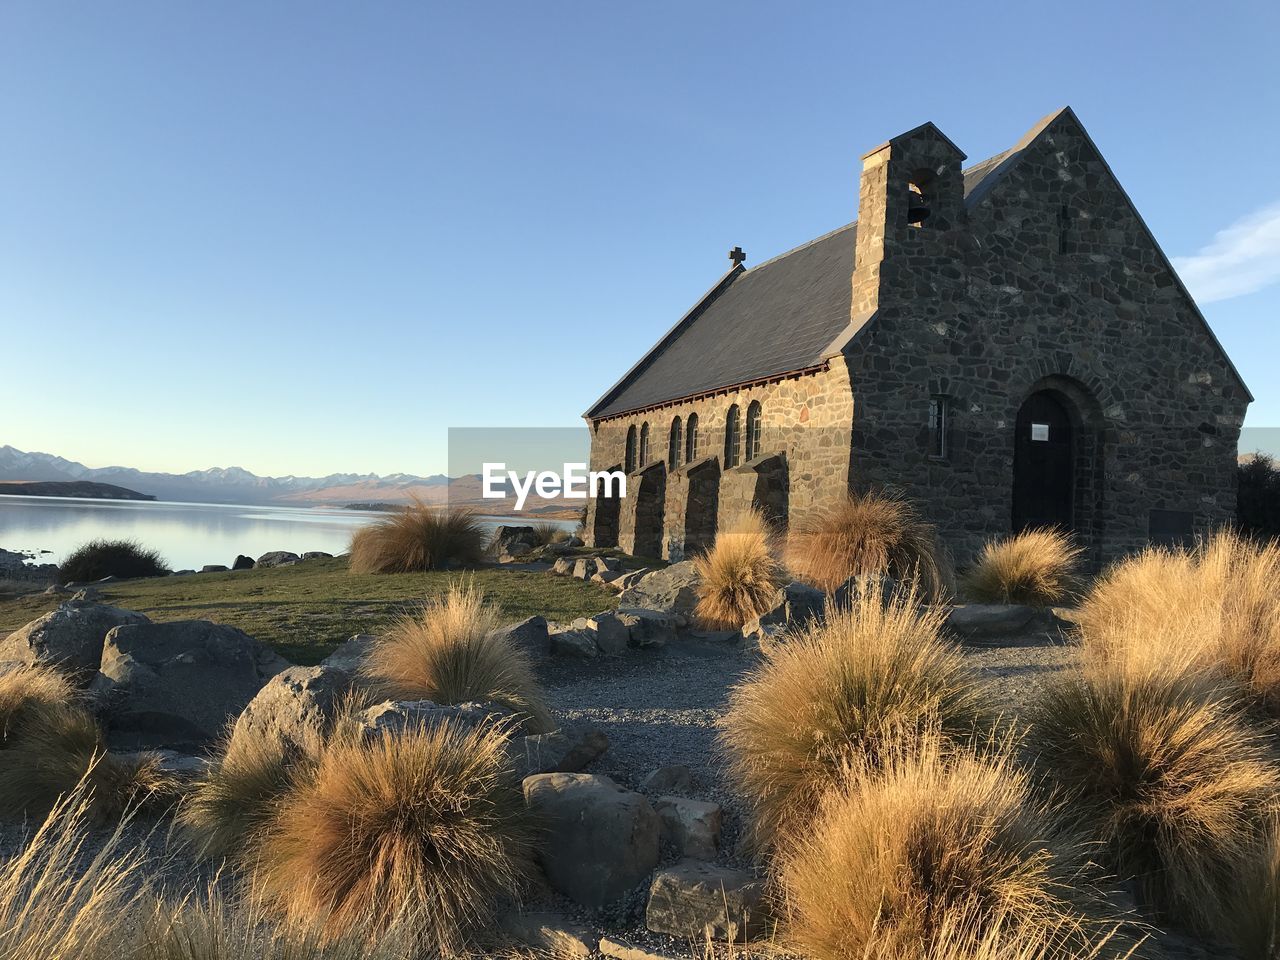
x: 644, y: 443
x: 732, y: 437
x: 675, y: 445
x: 691, y: 439
x: 631, y: 449
x: 918, y: 200
x: 753, y: 430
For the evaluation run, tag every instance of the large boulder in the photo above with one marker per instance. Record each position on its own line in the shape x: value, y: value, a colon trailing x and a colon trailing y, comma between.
x: 351, y: 654
x: 884, y: 588
x: 981, y: 623
x: 396, y: 717
x: 70, y: 638
x: 567, y: 750
x: 513, y: 541
x: 648, y: 628
x: 673, y: 589
x: 529, y: 635
x: 795, y: 606
x: 695, y: 900
x: 167, y: 684
x: 601, y: 840
x: 573, y: 643
x: 278, y: 558
x: 243, y: 563
x: 296, y: 708
x: 611, y: 634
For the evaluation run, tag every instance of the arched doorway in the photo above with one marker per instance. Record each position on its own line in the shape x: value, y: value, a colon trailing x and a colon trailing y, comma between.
x: 1044, y: 463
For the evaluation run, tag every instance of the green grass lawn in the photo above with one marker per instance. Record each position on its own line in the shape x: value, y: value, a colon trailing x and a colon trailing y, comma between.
x: 304, y: 611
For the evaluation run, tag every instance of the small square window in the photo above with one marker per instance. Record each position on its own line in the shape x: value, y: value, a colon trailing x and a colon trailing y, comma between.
x: 938, y: 417
x: 1040, y: 431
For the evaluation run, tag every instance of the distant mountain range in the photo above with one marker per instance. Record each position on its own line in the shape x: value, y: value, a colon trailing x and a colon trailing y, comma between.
x: 225, y: 484
x: 237, y: 485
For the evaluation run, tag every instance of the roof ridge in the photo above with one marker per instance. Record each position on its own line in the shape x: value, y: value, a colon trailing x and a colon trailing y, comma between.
x: 810, y: 243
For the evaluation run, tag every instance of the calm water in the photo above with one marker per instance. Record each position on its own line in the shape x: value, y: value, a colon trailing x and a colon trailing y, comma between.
x: 189, y: 535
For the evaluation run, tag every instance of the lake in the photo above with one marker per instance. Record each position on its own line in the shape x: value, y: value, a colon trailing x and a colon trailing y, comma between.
x: 188, y: 535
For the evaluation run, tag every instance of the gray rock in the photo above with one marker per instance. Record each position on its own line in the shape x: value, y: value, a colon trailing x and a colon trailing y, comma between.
x: 692, y: 825
x: 182, y: 682
x: 549, y: 934
x: 513, y: 541
x: 601, y: 840
x: 648, y: 628
x: 243, y: 563
x: 849, y: 592
x: 88, y: 595
x: 673, y: 778
x: 630, y: 578
x: 57, y: 589
x: 530, y: 635
x: 182, y: 766
x: 214, y: 568
x: 70, y: 638
x: 296, y: 708
x: 605, y: 577
x: 984, y: 622
x: 277, y: 558
x: 612, y: 635
x: 573, y: 542
x: 795, y: 606
x: 351, y: 654
x: 563, y: 567
x: 317, y: 555
x: 573, y: 643
x: 567, y: 750
x: 618, y: 949
x: 673, y: 589
x: 695, y: 900
x: 396, y: 716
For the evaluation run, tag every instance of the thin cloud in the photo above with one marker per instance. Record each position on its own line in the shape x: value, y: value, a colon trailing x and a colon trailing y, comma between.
x: 1242, y: 258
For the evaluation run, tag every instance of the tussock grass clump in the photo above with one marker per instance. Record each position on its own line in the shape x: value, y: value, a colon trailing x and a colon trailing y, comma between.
x: 547, y: 533
x: 418, y: 538
x: 1158, y: 761
x: 228, y: 809
x: 868, y: 533
x: 62, y: 897
x: 937, y: 845
x: 870, y: 680
x: 453, y: 653
x: 49, y: 743
x: 1216, y: 608
x: 431, y: 821
x: 125, y: 559
x: 740, y: 575
x: 1035, y: 567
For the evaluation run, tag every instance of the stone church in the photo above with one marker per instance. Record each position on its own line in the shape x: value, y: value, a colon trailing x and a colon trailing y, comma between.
x: 1005, y: 344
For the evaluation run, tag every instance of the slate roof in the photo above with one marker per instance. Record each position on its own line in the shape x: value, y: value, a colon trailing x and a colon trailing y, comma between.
x: 784, y: 315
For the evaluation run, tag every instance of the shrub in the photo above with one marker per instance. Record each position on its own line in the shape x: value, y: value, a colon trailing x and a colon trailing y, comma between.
x: 547, y: 533
x: 740, y: 575
x: 1036, y: 567
x: 868, y: 533
x: 929, y: 852
x: 49, y: 743
x: 125, y: 559
x: 431, y: 820
x: 453, y: 653
x: 869, y: 680
x: 1158, y: 763
x: 227, y: 810
x: 1258, y: 497
x: 417, y: 538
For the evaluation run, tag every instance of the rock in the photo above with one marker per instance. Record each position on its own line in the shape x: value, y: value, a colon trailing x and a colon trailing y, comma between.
x: 88, y: 595
x: 181, y: 682
x: 584, y: 567
x: 296, y: 708
x: 692, y: 825
x: 547, y: 932
x: 601, y: 840
x: 673, y: 778
x: 985, y: 622
x: 672, y: 589
x: 573, y: 643
x: 605, y: 577
x: 647, y: 628
x: 573, y: 542
x: 695, y: 900
x: 513, y: 541
x: 213, y: 568
x: 620, y: 949
x: 612, y: 635
x: 317, y: 555
x: 849, y: 592
x: 181, y: 766
x: 350, y: 655
x: 563, y: 567
x: 567, y: 750
x: 243, y: 563
x: 757, y: 636
x: 57, y: 589
x: 530, y: 635
x: 397, y: 716
x: 277, y: 558
x: 182, y: 573
x: 630, y: 578
x: 795, y: 606
x: 69, y: 638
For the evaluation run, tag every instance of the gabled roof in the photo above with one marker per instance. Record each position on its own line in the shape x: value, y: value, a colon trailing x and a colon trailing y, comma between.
x: 785, y: 315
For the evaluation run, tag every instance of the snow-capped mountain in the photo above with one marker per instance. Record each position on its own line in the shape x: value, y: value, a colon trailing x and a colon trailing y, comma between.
x: 221, y: 484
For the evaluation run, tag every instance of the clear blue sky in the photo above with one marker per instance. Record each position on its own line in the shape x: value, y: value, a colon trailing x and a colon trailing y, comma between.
x: 308, y: 237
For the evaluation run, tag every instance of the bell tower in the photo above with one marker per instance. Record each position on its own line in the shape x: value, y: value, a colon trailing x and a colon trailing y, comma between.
x: 910, y: 207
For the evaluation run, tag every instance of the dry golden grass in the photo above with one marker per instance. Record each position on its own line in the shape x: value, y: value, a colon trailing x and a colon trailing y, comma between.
x: 1156, y: 759
x: 868, y: 533
x: 452, y: 653
x: 740, y: 575
x: 418, y: 538
x: 431, y: 821
x: 49, y: 743
x: 1216, y: 608
x: 547, y: 533
x: 60, y: 898
x: 936, y: 843
x: 869, y: 681
x: 1036, y: 567
x: 227, y: 810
